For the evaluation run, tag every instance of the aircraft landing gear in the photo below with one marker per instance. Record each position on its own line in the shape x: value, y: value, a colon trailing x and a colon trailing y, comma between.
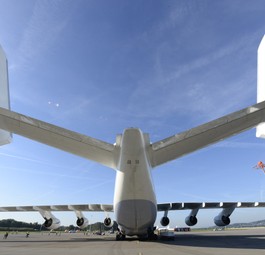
x: 148, y: 237
x: 151, y: 235
x: 120, y: 236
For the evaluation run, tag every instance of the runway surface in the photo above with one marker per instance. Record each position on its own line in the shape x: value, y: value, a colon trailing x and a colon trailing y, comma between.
x: 241, y: 242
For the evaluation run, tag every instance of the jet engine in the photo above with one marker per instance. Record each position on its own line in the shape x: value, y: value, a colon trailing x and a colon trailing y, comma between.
x: 108, y: 222
x: 52, y: 223
x: 191, y: 220
x: 82, y: 222
x: 221, y: 220
x: 164, y: 221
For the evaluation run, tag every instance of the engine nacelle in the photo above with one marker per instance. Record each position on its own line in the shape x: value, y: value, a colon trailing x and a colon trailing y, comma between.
x: 108, y: 222
x: 52, y: 223
x: 82, y: 222
x: 164, y: 221
x: 191, y: 220
x: 221, y: 220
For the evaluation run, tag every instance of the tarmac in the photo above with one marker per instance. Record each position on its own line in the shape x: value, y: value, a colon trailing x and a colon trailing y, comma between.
x: 249, y: 241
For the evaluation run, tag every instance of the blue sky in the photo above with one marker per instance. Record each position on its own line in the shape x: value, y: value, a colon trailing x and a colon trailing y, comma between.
x: 97, y: 67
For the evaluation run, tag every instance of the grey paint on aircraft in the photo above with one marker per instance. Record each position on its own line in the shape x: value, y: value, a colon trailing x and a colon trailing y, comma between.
x: 136, y: 216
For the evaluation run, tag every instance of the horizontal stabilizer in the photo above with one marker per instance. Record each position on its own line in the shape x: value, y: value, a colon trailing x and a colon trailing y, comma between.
x: 5, y: 136
x: 260, y: 131
x: 196, y: 138
x: 63, y: 139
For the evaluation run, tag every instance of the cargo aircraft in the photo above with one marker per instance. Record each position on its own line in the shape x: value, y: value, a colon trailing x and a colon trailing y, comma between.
x: 133, y: 157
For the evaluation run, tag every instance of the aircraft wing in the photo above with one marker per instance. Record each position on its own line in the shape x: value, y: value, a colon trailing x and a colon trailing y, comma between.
x: 86, y: 207
x: 186, y: 142
x: 222, y: 219
x: 207, y: 205
x: 58, y: 137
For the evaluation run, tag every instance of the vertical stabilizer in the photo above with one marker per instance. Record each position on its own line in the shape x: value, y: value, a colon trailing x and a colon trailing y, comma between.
x: 260, y: 132
x: 5, y: 137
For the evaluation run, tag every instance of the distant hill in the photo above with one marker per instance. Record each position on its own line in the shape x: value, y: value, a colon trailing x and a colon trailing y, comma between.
x: 259, y: 223
x: 254, y: 224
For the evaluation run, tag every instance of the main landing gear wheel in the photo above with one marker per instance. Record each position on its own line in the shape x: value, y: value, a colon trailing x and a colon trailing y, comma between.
x: 120, y: 237
x: 152, y: 237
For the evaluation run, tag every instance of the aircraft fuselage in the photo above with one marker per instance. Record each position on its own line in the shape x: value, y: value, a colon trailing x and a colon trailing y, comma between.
x: 135, y: 204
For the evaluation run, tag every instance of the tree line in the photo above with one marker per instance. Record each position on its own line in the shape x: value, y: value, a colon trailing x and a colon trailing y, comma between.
x: 13, y: 225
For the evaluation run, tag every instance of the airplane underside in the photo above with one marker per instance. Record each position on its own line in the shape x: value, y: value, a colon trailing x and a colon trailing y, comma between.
x: 135, y: 217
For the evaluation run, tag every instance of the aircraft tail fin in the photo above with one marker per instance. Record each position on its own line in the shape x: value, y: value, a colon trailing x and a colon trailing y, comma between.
x: 260, y: 130
x: 5, y: 136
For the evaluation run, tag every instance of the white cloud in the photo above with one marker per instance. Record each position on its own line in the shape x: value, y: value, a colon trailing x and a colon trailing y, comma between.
x: 198, y: 86
x: 48, y: 20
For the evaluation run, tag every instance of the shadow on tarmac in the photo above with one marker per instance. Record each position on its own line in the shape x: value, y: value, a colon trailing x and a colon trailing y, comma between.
x: 254, y: 241
x: 246, y: 241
